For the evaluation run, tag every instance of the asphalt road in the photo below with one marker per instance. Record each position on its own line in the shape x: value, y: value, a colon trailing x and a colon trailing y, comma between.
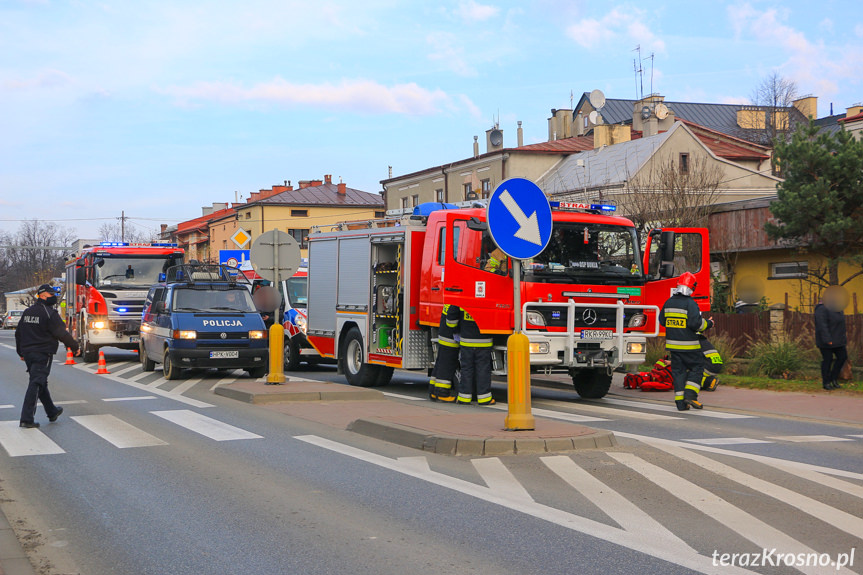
x: 144, y: 476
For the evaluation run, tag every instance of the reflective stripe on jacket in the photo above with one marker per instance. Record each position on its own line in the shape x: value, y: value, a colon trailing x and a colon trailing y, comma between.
x: 683, y: 322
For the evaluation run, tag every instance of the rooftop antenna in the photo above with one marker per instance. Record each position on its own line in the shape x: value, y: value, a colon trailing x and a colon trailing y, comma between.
x: 639, y: 74
x: 651, y: 72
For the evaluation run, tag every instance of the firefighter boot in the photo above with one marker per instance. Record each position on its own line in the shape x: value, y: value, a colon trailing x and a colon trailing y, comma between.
x: 709, y: 382
x: 679, y: 402
x: 690, y: 398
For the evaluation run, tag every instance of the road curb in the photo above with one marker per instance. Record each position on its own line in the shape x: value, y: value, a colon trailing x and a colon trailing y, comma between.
x: 282, y: 393
x: 445, y: 444
x: 13, y: 559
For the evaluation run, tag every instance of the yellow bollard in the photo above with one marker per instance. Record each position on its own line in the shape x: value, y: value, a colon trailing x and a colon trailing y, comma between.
x: 518, y: 416
x: 277, y: 354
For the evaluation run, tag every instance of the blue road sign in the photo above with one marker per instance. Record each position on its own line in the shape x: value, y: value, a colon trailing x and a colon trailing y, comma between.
x: 234, y: 258
x: 519, y: 218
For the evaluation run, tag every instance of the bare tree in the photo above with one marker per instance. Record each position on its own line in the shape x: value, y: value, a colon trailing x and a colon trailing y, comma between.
x: 113, y: 232
x: 665, y: 195
x: 775, y: 96
x: 30, y: 260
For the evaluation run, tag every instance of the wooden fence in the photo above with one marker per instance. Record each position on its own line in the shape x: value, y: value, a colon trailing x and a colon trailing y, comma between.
x: 742, y: 329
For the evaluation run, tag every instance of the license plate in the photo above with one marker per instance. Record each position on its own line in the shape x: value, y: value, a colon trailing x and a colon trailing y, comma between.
x: 597, y: 334
x: 134, y: 339
x: 224, y: 354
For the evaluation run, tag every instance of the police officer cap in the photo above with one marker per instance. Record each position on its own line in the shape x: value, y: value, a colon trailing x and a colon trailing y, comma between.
x: 44, y: 288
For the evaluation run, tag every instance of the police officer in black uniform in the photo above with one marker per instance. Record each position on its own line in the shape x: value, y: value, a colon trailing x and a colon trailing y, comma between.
x: 683, y: 326
x: 37, y: 338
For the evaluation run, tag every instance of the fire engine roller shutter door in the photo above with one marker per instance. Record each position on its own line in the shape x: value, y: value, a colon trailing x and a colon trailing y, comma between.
x: 322, y: 285
x: 355, y: 270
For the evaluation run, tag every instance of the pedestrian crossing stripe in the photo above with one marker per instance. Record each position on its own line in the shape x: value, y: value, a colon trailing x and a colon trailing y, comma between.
x: 116, y: 431
x: 206, y: 426
x: 727, y: 441
x: 810, y: 438
x: 19, y: 441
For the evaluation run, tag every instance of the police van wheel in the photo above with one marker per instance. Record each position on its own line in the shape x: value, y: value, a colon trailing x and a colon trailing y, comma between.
x: 357, y: 371
x: 169, y: 370
x: 147, y: 364
x: 591, y: 383
x: 292, y: 355
x: 257, y: 372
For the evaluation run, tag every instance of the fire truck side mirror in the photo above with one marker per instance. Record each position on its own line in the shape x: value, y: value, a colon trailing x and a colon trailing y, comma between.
x: 476, y: 225
x: 80, y: 276
x: 666, y: 252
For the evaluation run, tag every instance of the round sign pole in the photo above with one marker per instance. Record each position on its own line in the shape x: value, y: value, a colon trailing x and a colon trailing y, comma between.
x: 519, y: 416
x: 277, y: 330
x: 520, y: 223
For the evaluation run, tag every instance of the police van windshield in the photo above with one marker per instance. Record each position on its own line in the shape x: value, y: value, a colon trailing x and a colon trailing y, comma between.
x: 215, y: 300
x: 298, y: 291
x: 587, y: 253
x: 127, y: 272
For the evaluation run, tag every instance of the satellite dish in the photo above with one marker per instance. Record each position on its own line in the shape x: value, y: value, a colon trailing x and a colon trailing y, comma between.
x: 496, y: 138
x: 645, y: 113
x: 593, y: 117
x: 661, y: 111
x: 597, y: 99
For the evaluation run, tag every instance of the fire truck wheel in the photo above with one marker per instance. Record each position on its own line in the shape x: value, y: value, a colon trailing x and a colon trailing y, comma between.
x: 89, y: 353
x: 385, y: 374
x: 591, y: 383
x: 169, y: 370
x: 357, y: 371
x: 292, y: 355
x: 147, y: 364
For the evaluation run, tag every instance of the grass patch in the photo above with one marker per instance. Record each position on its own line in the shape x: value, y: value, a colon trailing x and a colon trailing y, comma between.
x: 771, y: 384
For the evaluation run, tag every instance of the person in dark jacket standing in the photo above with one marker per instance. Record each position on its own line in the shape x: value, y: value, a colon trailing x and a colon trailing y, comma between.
x: 830, y: 336
x: 474, y: 357
x: 683, y: 325
x: 37, y: 338
x: 446, y: 362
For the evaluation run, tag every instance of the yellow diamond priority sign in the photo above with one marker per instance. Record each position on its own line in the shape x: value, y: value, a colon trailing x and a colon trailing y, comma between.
x: 241, y: 237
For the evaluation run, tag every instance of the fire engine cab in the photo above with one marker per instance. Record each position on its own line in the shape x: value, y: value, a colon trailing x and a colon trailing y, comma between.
x: 105, y: 290
x: 589, y: 301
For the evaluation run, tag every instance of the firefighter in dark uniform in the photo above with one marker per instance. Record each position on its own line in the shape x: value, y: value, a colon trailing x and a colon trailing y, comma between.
x: 37, y: 338
x: 446, y: 362
x: 475, y: 358
x: 712, y: 364
x: 683, y: 325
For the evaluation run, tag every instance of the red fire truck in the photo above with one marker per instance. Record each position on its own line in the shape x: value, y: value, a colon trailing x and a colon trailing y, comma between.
x: 106, y: 286
x: 589, y: 301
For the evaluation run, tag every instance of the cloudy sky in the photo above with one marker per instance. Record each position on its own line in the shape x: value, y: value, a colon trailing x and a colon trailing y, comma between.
x: 158, y: 107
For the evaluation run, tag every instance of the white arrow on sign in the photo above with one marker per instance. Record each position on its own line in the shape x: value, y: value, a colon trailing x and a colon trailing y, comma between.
x: 528, y: 227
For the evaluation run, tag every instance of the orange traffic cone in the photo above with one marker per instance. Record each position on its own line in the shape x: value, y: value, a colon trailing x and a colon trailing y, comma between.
x: 69, y: 357
x: 103, y: 367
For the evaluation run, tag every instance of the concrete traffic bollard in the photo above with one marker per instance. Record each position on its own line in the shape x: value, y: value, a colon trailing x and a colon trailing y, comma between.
x: 277, y: 354
x: 519, y: 416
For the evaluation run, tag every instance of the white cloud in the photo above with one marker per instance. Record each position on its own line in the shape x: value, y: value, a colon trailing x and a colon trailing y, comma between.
x: 619, y: 24
x: 447, y: 49
x: 472, y: 11
x: 815, y: 66
x: 46, y: 79
x: 364, y: 96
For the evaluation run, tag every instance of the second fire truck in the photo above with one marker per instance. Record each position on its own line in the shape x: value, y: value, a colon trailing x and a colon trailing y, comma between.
x: 106, y: 286
x: 589, y: 301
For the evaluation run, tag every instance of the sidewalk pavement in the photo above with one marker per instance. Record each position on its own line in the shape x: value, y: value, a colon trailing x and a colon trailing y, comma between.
x: 439, y: 428
x: 828, y: 406
x: 13, y: 560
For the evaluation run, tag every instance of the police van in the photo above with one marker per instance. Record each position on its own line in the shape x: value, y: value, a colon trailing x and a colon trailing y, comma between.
x: 202, y: 316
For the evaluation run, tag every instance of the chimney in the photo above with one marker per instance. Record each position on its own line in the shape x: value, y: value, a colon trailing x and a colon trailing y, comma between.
x: 342, y: 188
x: 328, y: 178
x: 220, y: 206
x: 601, y: 136
x: 253, y: 197
x: 475, y: 146
x: 651, y: 126
x: 808, y: 106
x: 206, y: 210
x: 279, y: 189
x: 493, y: 139
x: 163, y: 227
x: 389, y: 172
x: 520, y: 135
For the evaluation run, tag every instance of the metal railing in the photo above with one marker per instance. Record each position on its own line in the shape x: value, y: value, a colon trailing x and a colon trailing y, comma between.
x: 570, y: 332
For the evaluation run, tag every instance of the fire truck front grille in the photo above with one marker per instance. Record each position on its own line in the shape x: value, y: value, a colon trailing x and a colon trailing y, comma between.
x: 585, y: 317
x: 125, y: 308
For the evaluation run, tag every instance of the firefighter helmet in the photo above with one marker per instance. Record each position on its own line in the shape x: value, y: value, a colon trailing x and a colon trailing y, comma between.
x: 686, y: 283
